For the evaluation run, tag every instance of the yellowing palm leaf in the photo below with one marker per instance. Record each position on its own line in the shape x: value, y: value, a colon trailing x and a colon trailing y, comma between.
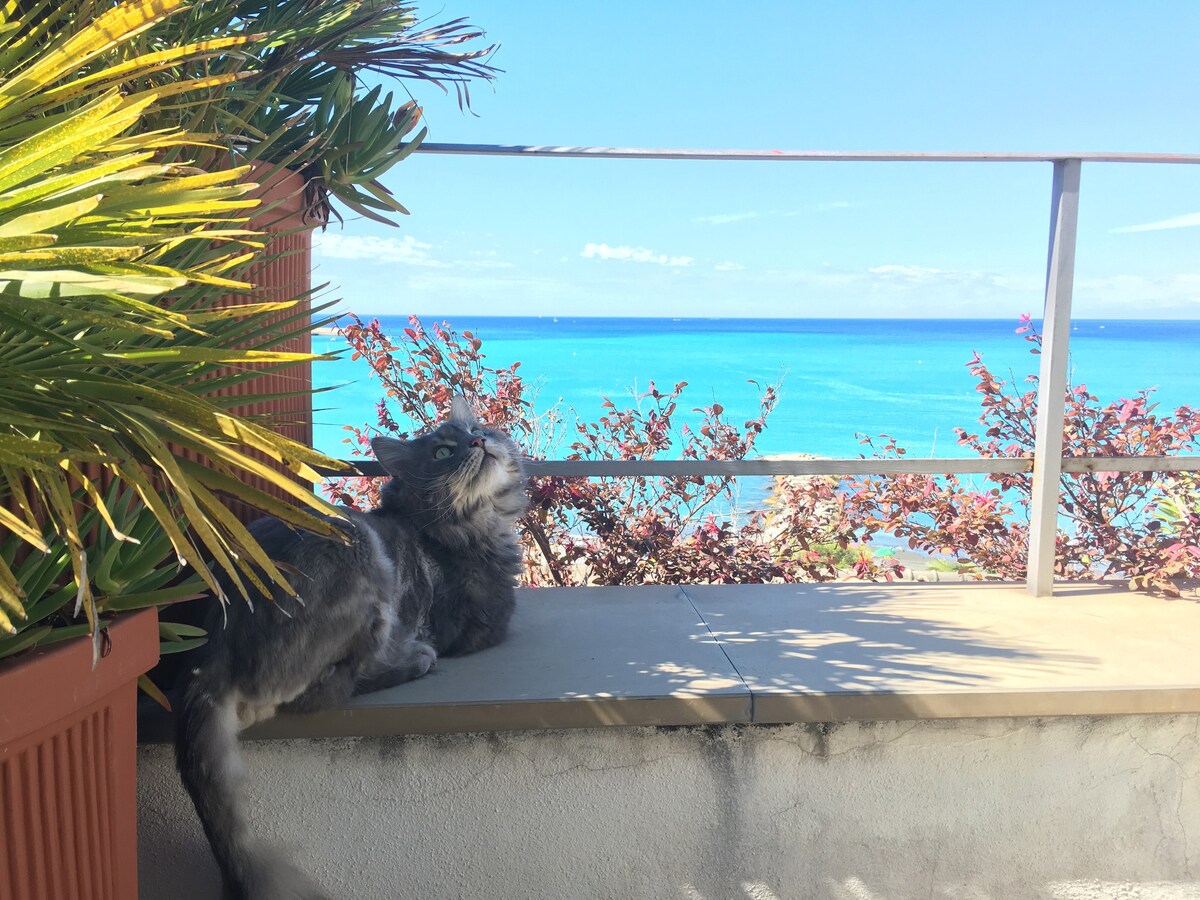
x: 99, y: 223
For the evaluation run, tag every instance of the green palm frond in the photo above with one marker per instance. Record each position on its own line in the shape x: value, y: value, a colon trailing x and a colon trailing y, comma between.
x: 300, y: 99
x: 117, y: 261
x: 128, y: 133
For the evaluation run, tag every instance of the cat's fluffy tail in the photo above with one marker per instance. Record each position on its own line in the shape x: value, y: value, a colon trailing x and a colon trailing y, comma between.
x: 206, y: 753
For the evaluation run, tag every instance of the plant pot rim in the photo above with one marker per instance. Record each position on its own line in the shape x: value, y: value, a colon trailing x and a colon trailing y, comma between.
x: 47, y: 685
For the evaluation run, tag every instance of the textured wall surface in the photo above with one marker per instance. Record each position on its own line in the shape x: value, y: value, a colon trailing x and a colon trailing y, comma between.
x: 1061, y: 808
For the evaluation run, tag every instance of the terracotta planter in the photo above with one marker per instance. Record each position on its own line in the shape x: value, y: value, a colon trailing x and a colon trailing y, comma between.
x: 284, y: 273
x: 279, y: 398
x: 68, y: 738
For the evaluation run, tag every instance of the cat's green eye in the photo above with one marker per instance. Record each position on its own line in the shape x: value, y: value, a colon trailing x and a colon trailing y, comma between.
x: 442, y: 453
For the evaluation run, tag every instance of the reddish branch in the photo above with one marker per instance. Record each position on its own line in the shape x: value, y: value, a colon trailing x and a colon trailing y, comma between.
x: 688, y: 529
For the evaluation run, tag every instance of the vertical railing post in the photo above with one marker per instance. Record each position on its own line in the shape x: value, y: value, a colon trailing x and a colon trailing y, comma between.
x: 1052, y: 379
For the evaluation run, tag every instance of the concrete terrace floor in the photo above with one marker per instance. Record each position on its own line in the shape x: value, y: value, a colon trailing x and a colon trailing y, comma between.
x: 848, y: 741
x: 797, y: 653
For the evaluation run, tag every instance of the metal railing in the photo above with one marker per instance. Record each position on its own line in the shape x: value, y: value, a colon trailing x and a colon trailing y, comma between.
x: 1047, y: 464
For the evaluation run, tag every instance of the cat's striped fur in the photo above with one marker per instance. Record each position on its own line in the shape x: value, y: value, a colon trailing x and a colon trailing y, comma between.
x: 429, y: 572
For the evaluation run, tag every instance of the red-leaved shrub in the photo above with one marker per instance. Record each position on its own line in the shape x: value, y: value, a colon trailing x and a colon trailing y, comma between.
x: 1142, y: 526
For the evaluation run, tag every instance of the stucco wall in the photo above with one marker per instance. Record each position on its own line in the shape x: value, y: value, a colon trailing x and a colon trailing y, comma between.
x: 1057, y: 808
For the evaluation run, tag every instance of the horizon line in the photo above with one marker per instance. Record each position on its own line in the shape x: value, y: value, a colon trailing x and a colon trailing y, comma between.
x: 694, y: 318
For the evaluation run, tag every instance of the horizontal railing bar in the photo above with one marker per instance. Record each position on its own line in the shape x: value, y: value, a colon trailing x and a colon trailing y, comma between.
x: 796, y: 155
x: 585, y: 468
x: 1131, y: 464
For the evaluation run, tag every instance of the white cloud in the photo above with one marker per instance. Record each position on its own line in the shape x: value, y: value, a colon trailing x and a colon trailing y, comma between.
x: 487, y: 260
x: 726, y: 219
x: 1180, y: 288
x: 728, y: 266
x: 928, y: 290
x: 1190, y: 220
x: 833, y: 204
x: 407, y: 250
x: 908, y: 274
x: 634, y: 254
x: 452, y: 293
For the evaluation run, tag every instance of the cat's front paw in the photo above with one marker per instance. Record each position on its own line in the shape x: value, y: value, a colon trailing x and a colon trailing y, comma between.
x: 422, y: 657
x: 410, y: 661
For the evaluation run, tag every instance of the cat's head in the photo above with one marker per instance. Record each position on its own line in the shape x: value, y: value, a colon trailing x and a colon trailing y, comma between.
x: 460, y: 466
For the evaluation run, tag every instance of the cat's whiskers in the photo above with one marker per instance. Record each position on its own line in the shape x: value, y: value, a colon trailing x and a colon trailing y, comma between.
x: 436, y: 521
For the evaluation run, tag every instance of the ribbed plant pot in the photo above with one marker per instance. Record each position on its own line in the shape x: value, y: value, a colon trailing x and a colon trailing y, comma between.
x: 280, y: 398
x: 284, y: 272
x: 68, y: 741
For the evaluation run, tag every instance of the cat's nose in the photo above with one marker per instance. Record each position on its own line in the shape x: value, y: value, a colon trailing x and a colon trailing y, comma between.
x: 477, y: 441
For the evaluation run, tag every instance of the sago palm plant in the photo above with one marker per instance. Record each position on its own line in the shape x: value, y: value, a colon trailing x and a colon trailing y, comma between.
x: 101, y: 374
x: 118, y: 255
x: 299, y: 97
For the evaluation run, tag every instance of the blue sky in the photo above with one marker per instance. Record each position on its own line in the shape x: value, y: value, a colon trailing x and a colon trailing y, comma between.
x: 507, y: 236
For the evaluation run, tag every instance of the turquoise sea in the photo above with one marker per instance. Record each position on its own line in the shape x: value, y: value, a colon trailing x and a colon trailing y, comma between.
x: 906, y: 378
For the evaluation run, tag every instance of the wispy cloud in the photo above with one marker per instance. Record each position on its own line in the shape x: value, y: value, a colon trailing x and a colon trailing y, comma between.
x: 906, y: 280
x: 826, y: 207
x: 1190, y: 220
x: 727, y: 218
x: 728, y: 266
x: 481, y: 259
x: 909, y: 274
x: 406, y: 250
x: 634, y: 254
x: 1171, y: 288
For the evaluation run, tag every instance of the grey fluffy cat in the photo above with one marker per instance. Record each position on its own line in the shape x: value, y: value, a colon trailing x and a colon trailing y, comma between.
x: 429, y: 572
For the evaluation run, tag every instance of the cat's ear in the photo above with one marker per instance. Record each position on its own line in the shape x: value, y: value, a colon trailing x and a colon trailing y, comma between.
x: 460, y: 413
x: 394, y: 455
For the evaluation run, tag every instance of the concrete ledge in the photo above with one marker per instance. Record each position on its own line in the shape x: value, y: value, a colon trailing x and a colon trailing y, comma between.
x: 1074, y: 808
x: 840, y: 652
x: 781, y: 654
